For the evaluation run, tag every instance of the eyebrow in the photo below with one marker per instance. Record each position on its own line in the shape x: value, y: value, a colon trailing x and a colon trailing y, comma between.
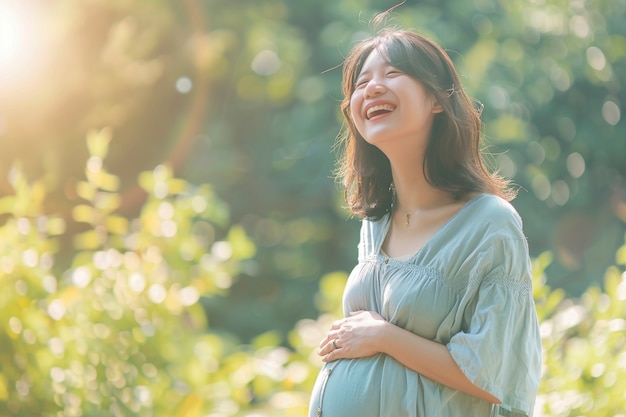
x: 362, y: 73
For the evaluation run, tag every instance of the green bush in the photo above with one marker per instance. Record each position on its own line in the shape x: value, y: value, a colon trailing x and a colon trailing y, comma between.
x: 584, y: 343
x: 120, y: 331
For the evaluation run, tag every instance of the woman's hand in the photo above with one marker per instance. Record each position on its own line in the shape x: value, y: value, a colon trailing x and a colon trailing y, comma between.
x: 356, y: 336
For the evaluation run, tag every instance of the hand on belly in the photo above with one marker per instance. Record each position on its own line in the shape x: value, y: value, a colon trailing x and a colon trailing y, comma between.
x: 355, y: 336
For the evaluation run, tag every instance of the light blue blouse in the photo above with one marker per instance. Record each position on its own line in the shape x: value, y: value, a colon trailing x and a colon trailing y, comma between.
x: 469, y: 288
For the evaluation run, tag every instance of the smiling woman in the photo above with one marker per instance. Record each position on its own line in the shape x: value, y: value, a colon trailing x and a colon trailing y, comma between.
x: 438, y: 312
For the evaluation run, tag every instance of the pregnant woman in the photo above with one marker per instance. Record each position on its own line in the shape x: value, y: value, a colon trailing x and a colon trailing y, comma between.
x: 439, y: 318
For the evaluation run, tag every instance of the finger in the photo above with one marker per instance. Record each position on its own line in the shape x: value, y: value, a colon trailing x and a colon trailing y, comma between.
x: 326, y: 340
x: 326, y: 344
x: 332, y: 334
x: 326, y: 347
x: 336, y: 324
x: 332, y: 356
x: 332, y: 343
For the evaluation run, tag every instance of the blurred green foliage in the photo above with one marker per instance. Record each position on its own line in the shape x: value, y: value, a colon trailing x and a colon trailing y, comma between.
x: 120, y: 332
x: 131, y: 291
x: 584, y: 343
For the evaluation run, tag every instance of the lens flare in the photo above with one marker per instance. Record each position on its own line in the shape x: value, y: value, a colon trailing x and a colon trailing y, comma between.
x: 19, y: 40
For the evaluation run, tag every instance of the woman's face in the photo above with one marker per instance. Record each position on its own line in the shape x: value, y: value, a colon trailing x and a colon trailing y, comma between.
x: 390, y: 109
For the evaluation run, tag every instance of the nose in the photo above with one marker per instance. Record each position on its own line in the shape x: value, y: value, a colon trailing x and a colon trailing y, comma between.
x: 373, y: 89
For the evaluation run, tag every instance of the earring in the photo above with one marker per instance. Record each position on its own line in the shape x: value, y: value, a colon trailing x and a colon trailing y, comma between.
x: 392, y: 190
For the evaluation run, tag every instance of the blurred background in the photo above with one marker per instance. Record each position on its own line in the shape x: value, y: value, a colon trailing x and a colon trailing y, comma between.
x: 170, y: 226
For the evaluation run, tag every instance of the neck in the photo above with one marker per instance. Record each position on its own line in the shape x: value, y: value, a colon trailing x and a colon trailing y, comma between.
x: 415, y: 205
x: 414, y: 193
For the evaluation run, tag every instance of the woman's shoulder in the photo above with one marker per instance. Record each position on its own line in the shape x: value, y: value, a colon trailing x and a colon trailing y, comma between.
x: 373, y: 221
x: 494, y: 210
x: 494, y: 233
x: 486, y: 218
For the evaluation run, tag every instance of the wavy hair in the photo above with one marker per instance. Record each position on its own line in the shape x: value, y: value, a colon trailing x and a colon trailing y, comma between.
x: 453, y: 160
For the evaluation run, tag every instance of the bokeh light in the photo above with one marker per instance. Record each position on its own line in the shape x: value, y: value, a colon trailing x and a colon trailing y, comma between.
x: 575, y: 164
x: 611, y: 112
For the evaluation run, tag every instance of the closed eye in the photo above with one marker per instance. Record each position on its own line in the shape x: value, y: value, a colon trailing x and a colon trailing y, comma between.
x: 390, y: 74
x: 394, y: 73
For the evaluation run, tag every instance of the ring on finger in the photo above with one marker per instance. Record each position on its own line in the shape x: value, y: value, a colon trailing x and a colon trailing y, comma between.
x: 334, y: 342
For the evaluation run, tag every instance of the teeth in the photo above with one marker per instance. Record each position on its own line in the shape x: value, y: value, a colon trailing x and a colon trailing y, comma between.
x: 379, y: 107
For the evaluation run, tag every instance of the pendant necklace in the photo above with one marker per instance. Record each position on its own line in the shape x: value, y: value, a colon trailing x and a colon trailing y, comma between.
x: 407, y: 222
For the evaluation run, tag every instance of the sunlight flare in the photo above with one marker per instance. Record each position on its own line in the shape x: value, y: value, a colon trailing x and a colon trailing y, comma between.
x: 21, y: 41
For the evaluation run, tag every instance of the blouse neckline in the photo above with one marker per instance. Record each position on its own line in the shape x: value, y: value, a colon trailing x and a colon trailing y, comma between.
x: 404, y: 258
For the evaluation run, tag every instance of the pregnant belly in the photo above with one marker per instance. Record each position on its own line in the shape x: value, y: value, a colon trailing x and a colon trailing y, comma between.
x: 359, y: 387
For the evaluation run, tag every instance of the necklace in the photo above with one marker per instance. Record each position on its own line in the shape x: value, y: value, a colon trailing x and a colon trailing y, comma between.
x: 407, y: 222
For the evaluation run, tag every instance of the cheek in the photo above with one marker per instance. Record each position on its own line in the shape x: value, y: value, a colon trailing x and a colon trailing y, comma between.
x: 355, y: 110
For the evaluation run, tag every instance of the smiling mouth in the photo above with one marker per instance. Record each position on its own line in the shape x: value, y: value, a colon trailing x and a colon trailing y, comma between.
x: 379, y: 110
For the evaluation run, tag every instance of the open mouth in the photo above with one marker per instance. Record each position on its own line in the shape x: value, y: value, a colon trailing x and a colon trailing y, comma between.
x: 379, y: 110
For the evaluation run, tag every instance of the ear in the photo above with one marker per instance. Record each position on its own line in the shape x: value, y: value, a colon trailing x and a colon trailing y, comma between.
x: 437, y: 108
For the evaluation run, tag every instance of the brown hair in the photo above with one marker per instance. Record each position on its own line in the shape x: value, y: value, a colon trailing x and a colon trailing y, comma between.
x: 453, y: 161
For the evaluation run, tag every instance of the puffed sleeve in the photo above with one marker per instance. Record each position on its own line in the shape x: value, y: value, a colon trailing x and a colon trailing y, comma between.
x: 499, y: 347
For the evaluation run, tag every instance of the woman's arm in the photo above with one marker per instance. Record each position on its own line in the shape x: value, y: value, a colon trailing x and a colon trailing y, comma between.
x: 365, y: 333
